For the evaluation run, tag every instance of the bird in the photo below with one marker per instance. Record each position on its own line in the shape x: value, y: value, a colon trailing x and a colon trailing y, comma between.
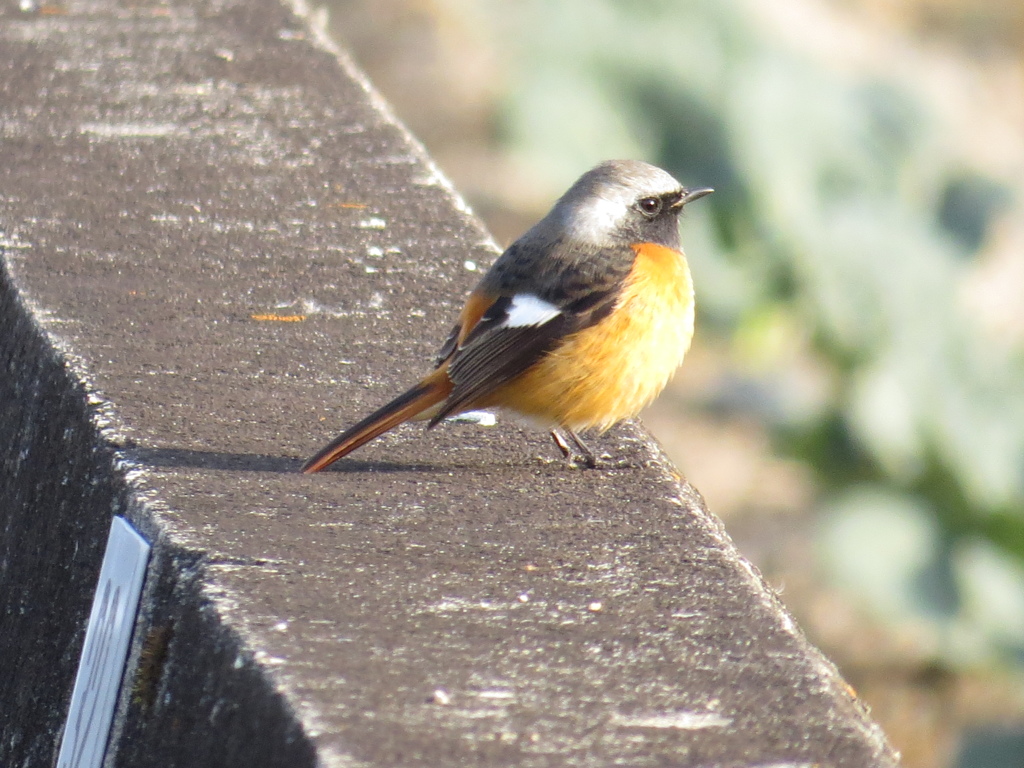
x: 577, y: 325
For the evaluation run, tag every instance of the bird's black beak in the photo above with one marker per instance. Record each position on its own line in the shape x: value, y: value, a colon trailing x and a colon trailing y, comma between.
x: 689, y: 195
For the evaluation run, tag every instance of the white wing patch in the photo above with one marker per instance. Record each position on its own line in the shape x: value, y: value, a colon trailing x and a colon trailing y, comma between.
x: 529, y: 310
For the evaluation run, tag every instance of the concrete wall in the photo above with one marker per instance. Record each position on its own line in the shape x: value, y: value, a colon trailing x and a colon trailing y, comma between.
x: 218, y: 249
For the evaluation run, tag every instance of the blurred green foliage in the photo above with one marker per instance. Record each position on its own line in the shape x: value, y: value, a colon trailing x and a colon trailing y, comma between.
x: 843, y: 223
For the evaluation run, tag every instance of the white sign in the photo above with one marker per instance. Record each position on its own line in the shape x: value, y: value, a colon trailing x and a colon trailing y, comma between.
x: 106, y: 646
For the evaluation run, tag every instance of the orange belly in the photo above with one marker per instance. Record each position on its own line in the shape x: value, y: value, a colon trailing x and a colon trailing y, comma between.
x: 610, y: 371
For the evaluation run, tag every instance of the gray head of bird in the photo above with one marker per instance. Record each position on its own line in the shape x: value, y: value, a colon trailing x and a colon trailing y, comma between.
x: 623, y: 202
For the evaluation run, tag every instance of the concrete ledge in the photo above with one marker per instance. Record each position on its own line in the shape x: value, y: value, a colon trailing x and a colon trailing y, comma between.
x: 217, y: 250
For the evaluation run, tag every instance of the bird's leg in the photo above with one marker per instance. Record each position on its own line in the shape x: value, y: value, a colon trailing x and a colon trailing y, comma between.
x: 583, y: 455
x: 584, y: 449
x: 560, y: 442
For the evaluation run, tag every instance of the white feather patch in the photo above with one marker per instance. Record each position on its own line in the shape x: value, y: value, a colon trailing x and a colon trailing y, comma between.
x: 527, y: 309
x: 595, y: 218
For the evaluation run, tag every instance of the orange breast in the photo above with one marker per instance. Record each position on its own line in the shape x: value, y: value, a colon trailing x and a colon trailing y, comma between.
x: 610, y: 371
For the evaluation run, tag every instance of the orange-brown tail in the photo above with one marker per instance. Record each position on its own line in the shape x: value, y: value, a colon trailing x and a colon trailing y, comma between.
x: 431, y: 391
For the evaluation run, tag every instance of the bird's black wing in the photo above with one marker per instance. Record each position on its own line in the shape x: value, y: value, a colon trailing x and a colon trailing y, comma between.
x: 498, y: 348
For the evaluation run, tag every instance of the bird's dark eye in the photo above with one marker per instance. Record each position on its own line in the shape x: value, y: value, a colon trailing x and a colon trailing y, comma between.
x: 649, y: 206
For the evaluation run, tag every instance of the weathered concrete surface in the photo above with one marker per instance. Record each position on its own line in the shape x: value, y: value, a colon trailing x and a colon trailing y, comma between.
x: 179, y: 185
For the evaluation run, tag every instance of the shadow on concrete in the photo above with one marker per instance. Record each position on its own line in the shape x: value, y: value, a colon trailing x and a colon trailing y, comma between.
x: 227, y: 461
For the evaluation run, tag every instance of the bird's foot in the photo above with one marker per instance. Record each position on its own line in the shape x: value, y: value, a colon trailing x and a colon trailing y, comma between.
x: 580, y: 458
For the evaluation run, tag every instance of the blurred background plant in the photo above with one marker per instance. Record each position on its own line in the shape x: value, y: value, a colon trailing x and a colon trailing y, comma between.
x: 854, y: 403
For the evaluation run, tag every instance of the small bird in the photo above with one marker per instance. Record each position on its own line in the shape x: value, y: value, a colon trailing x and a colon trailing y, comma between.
x: 579, y: 324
